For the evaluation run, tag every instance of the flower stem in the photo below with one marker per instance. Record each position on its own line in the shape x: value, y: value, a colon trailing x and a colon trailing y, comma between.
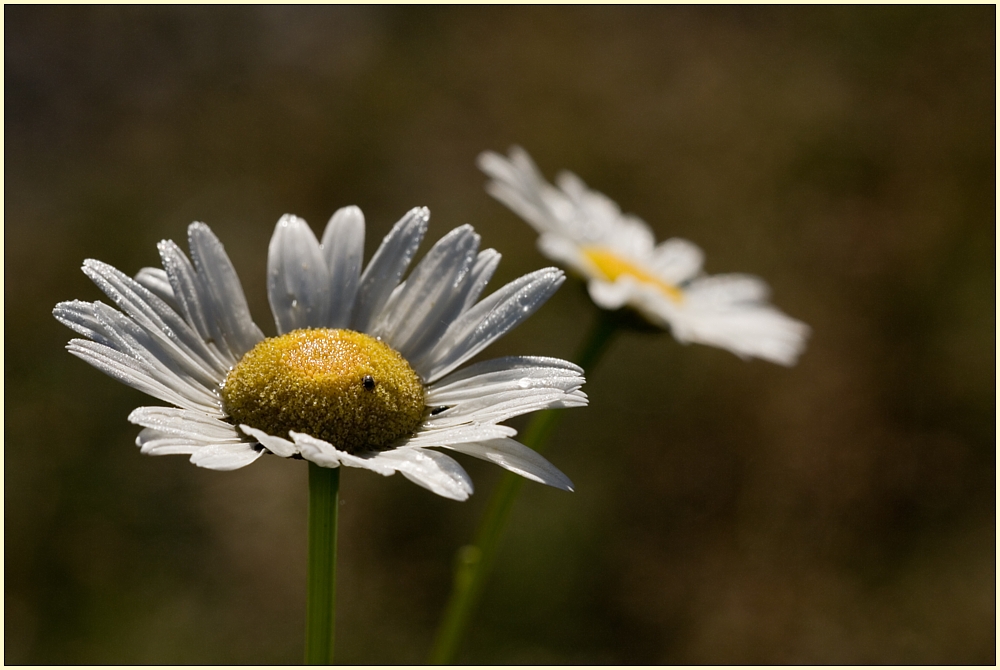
x: 474, y: 561
x: 324, y: 485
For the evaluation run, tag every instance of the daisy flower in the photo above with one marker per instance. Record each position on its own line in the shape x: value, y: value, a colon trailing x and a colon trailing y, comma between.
x: 366, y: 370
x: 618, y: 256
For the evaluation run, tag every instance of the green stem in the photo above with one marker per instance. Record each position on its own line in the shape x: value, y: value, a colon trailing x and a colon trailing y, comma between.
x: 475, y: 560
x: 324, y: 485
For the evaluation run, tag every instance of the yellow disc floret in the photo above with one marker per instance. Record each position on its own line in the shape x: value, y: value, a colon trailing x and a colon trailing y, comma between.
x: 340, y: 386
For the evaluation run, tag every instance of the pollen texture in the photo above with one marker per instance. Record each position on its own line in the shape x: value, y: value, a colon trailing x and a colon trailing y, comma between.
x: 340, y: 386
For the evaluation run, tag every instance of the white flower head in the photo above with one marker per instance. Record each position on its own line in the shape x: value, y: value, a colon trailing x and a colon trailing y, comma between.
x: 365, y: 370
x: 618, y: 256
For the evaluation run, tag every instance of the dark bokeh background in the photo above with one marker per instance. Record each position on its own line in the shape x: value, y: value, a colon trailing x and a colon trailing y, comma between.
x: 841, y: 511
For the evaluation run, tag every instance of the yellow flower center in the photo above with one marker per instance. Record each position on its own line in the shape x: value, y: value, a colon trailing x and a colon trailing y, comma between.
x: 337, y: 385
x: 613, y: 266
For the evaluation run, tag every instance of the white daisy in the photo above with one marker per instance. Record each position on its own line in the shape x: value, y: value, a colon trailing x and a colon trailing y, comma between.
x: 364, y: 371
x: 623, y: 265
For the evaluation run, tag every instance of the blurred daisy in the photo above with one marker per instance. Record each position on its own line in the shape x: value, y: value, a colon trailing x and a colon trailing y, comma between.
x: 623, y: 266
x: 364, y: 371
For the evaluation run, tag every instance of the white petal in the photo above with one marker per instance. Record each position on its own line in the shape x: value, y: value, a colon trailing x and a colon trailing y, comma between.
x: 195, y: 304
x: 161, y: 443
x: 155, y: 279
x: 229, y: 304
x: 506, y: 373
x: 161, y: 323
x: 502, y: 405
x: 434, y: 286
x: 183, y: 423
x: 226, y: 456
x: 482, y: 271
x: 488, y: 320
x: 343, y: 248
x: 81, y: 318
x: 458, y: 302
x: 154, y: 443
x: 435, y: 472
x: 276, y: 445
x: 298, y: 284
x: 440, y: 437
x: 516, y: 457
x: 186, y: 373
x: 387, y: 267
x: 133, y: 373
x: 325, y: 454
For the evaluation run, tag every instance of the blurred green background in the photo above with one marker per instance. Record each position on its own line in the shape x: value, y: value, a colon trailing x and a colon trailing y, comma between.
x: 841, y: 511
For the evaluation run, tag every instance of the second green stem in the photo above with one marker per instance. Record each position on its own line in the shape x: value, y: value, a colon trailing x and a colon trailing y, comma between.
x: 475, y: 560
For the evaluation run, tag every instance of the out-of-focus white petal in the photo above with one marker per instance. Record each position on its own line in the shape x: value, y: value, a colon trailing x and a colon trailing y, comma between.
x: 633, y: 237
x: 728, y: 290
x: 612, y: 295
x: 745, y: 328
x: 518, y: 184
x: 343, y: 248
x: 563, y: 250
x: 676, y: 261
x: 298, y: 284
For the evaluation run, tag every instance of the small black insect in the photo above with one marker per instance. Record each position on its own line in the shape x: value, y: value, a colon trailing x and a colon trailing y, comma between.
x: 369, y: 383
